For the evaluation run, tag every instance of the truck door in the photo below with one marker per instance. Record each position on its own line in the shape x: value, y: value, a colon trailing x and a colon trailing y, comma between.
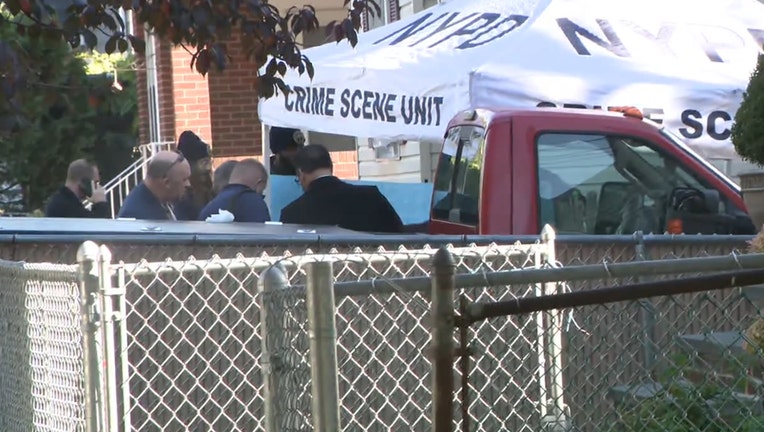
x: 456, y: 189
x: 597, y: 183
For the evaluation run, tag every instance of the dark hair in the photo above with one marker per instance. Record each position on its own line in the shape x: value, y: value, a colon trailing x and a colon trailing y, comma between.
x: 312, y: 157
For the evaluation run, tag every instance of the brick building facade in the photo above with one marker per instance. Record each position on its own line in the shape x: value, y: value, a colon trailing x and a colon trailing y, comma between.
x: 221, y: 107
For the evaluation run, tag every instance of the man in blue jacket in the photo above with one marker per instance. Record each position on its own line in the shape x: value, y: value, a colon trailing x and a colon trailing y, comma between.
x: 166, y: 181
x: 243, y: 196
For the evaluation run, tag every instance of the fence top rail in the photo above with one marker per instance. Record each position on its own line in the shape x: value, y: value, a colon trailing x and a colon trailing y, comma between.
x: 295, y: 261
x: 52, y: 230
x: 40, y: 271
x: 318, y: 241
x: 476, y: 311
x: 603, y: 270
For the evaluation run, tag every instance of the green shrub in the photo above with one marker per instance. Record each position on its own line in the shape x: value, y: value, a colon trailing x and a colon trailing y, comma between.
x: 748, y: 130
x: 61, y: 113
x: 116, y: 114
x: 684, y: 406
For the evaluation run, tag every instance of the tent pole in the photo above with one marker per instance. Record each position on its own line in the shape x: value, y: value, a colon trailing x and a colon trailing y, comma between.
x: 266, y: 147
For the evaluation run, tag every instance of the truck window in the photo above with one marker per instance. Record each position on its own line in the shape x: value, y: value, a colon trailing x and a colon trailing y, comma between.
x: 598, y: 184
x: 456, y: 191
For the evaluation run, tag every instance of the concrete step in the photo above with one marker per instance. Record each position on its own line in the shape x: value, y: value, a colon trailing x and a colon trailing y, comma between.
x: 715, y: 344
x: 735, y: 380
x: 719, y: 349
x: 626, y: 396
x: 629, y: 395
x: 720, y: 358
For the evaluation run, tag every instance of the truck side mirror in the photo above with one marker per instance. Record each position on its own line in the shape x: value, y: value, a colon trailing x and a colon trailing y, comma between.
x: 695, y: 201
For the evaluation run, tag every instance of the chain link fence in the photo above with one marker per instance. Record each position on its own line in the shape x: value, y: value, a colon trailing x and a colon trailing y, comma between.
x: 571, y: 250
x: 41, y: 348
x: 178, y: 344
x: 685, y: 363
x: 194, y: 339
x: 683, y: 368
x: 197, y: 360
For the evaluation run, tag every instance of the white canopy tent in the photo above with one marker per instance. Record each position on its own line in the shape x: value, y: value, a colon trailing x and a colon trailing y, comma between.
x: 684, y: 62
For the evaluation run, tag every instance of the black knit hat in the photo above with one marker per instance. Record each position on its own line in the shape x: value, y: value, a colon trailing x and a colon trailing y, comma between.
x: 284, y: 138
x: 192, y: 147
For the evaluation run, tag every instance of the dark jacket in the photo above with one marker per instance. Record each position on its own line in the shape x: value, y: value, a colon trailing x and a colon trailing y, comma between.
x: 246, y: 204
x: 186, y: 209
x: 65, y: 204
x: 140, y: 203
x: 330, y: 201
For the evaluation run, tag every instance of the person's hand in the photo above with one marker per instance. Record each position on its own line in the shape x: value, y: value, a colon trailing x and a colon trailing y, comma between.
x: 99, y: 194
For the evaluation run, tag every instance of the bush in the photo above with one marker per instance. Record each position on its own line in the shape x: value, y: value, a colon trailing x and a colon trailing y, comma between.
x: 116, y: 113
x: 684, y: 406
x: 60, y: 114
x: 53, y: 120
x: 748, y: 130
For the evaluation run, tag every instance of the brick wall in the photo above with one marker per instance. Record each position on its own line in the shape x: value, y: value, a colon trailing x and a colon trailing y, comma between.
x: 233, y: 106
x: 221, y: 108
x: 164, y: 92
x: 345, y: 164
x: 190, y: 97
x: 140, y: 86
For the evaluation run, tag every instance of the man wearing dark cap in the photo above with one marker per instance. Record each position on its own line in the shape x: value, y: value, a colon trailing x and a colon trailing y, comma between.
x: 197, y: 153
x: 285, y: 142
x: 330, y: 201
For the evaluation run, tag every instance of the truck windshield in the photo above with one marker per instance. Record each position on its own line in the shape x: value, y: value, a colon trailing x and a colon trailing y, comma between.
x: 456, y: 192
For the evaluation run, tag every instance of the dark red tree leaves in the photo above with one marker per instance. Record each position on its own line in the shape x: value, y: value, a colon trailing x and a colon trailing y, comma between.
x: 202, y: 27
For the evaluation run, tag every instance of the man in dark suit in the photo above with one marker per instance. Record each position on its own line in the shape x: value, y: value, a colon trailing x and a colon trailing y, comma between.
x: 330, y: 201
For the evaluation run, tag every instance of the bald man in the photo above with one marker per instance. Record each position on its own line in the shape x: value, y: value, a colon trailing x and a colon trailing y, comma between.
x: 167, y: 177
x: 243, y: 196
x: 82, y: 182
x: 222, y: 175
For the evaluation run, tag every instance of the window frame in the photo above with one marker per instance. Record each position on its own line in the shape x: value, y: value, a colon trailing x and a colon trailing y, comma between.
x: 608, y: 137
x: 453, y: 178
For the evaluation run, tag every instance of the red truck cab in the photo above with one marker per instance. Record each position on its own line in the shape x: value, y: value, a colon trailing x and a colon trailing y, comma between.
x: 511, y: 171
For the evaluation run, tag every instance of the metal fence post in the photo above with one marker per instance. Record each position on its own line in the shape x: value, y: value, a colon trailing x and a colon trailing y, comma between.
x: 323, y: 347
x: 557, y: 418
x: 272, y: 279
x: 87, y: 258
x: 124, y: 359
x: 539, y: 347
x: 647, y: 312
x: 108, y: 318
x: 442, y: 316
